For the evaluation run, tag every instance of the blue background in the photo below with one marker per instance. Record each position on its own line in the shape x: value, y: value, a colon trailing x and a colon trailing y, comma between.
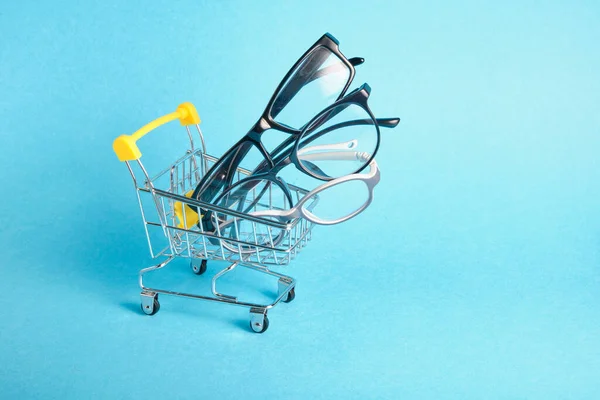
x: 475, y: 273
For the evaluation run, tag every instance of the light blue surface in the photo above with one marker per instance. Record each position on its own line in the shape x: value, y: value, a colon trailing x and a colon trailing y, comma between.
x: 475, y: 273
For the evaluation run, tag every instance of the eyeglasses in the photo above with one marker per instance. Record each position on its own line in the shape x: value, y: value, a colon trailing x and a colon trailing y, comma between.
x: 321, y: 76
x: 320, y: 206
x: 327, y: 209
x: 349, y: 120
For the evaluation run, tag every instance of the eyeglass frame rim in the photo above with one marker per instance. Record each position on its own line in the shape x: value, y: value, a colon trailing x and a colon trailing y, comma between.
x: 371, y: 179
x: 331, y: 43
x: 362, y: 95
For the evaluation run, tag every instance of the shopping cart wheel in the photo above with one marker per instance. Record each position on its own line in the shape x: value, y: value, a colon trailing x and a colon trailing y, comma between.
x: 290, y: 296
x: 259, y: 322
x: 283, y: 284
x: 198, y: 269
x: 150, y: 304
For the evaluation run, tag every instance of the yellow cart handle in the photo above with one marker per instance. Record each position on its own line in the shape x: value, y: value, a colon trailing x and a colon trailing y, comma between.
x: 125, y: 146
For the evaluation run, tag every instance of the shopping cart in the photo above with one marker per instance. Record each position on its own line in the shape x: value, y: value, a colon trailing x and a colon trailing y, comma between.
x: 174, y: 225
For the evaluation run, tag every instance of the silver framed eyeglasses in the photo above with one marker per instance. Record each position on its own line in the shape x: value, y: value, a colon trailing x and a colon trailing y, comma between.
x: 331, y: 203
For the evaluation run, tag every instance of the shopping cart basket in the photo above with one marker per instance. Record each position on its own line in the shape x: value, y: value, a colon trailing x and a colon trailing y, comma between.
x: 174, y: 228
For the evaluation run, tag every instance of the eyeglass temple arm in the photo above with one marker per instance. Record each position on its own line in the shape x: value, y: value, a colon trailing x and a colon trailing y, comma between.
x: 385, y: 122
x: 388, y: 122
x: 343, y: 155
x: 331, y: 156
x: 336, y: 156
x: 382, y: 122
x: 334, y: 146
x: 281, y: 154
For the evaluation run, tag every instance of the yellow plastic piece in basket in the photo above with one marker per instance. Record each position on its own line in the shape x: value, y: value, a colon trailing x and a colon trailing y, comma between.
x: 125, y: 146
x: 191, y: 216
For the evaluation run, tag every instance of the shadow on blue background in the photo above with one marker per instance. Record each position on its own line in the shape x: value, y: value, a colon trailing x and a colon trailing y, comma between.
x: 473, y: 275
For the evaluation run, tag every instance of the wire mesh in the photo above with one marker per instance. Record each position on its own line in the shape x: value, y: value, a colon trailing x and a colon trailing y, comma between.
x: 236, y: 236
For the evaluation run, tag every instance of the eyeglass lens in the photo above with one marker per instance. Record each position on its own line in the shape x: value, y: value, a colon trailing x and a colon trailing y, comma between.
x: 339, y: 201
x: 315, y: 84
x: 340, y: 146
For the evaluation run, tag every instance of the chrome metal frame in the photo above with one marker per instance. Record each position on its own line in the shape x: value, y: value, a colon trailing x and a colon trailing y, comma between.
x: 158, y: 197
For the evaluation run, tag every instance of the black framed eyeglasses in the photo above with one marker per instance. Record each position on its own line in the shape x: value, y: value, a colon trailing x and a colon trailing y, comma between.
x: 319, y: 78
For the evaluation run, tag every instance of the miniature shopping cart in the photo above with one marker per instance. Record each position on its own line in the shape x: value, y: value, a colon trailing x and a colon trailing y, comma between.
x: 169, y: 213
